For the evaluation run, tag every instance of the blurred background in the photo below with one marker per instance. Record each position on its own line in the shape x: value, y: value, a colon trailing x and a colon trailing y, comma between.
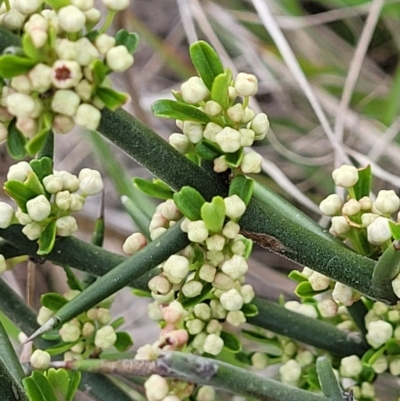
x: 329, y: 80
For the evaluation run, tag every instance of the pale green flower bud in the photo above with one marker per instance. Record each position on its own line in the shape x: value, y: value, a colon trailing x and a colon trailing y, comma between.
x: 205, y: 393
x: 246, y: 137
x: 117, y: 5
x: 65, y: 102
x: 193, y: 130
x: 290, y: 372
x: 231, y: 300
x: 90, y: 181
x: 105, y: 337
x: 222, y: 282
x: 365, y: 203
x: 307, y: 271
x: 93, y: 15
x: 350, y: 366
x: 368, y: 218
x: 218, y: 311
x: 387, y: 202
x: 180, y: 142
x: 339, y: 226
x: 238, y: 247
x: 236, y: 318
x: 380, y: 308
x: 21, y: 105
x: 259, y: 360
x: 202, y: 311
x: 247, y: 293
x: 394, y: 367
x: 228, y: 140
x: 220, y: 164
x: 231, y: 229
x: 84, y: 90
x: 345, y: 176
x: 207, y: 272
x: 215, y: 257
x: 246, y: 84
x: 215, y: 242
x: 195, y: 326
x: 77, y: 202
x: 380, y: 365
x: 290, y: 349
x: 319, y: 282
x: 40, y: 359
x: 393, y: 316
x: 71, y: 19
x: 22, y: 84
x: 304, y: 358
x: 44, y: 315
x: 197, y: 231
x: 66, y: 226
x: 308, y: 310
x: 104, y: 43
x: 39, y: 208
x: 63, y: 200
x: 212, y: 108
x: 194, y: 90
x: 248, y: 115
x: 70, y: 332
x: 177, y: 266
x: 214, y: 326
x: 234, y: 207
x: 88, y: 116
x: 6, y: 215
x: 53, y: 184
x: 351, y: 207
x: 378, y: 231
x: 86, y: 52
x: 192, y: 288
x: 235, y: 112
x: 342, y: 294
x: 367, y: 389
x: 154, y: 311
x: 235, y: 267
x: 328, y: 308
x: 378, y: 333
x: 251, y: 163
x: 211, y: 131
x: 119, y: 59
x: 134, y: 243
x: 40, y: 77
x: 32, y: 231
x: 156, y: 387
x: 198, y: 341
x: 260, y: 125
x: 103, y: 316
x: 213, y: 344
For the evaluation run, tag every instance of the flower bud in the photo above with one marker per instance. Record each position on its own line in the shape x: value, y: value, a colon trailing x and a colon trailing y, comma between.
x: 147, y: 352
x: 177, y: 266
x: 180, y: 142
x: 77, y: 202
x: 197, y: 231
x: 27, y: 7
x: 342, y: 294
x: 88, y: 116
x: 85, y: 52
x: 228, y: 140
x: 235, y: 318
x: 328, y: 308
x: 174, y: 312
x: 105, y: 337
x: 308, y: 310
x: 351, y: 207
x: 21, y: 105
x: 350, y: 366
x: 211, y: 130
x: 396, y: 285
x: 345, y: 176
x: 260, y: 126
x: 207, y: 273
x: 103, y: 316
x: 40, y: 76
x: 234, y: 207
x: 160, y: 285
x: 66, y: 226
x: 368, y: 218
x: 220, y: 164
x: 246, y: 137
x: 192, y: 288
x: 235, y: 112
x: 170, y: 211
x: 22, y: 84
x: 215, y: 242
x: 202, y: 311
x: 214, y: 326
x: 247, y: 293
x: 134, y: 243
x: 40, y: 359
x: 119, y: 59
x: 222, y: 282
x: 6, y: 215
x: 246, y: 84
x: 213, y: 344
x: 90, y: 181
x: 32, y: 231
x: 231, y: 229
x: 379, y: 231
x: 71, y: 19
x: 235, y: 267
x: 290, y: 372
x: 387, y: 202
x: 13, y: 20
x: 194, y: 326
x: 194, y: 90
x: 231, y: 300
x: 44, y: 315
x: 380, y: 365
x: 156, y: 387
x: 116, y: 5
x: 378, y: 333
x: 52, y: 183
x: 394, y: 367
x: 339, y: 226
x: 193, y: 130
x: 19, y: 172
x: 304, y: 358
x: 251, y: 163
x: 319, y: 282
x: 70, y: 332
x: 154, y: 311
x: 62, y: 124
x: 39, y: 208
x: 205, y: 393
x: 212, y: 108
x: 70, y: 181
x: 218, y: 311
x: 365, y: 203
x: 63, y: 200
x: 104, y: 43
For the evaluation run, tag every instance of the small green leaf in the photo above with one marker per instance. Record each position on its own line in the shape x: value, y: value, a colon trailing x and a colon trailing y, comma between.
x: 32, y: 182
x: 234, y: 159
x: 250, y: 310
x: 304, y: 290
x: 248, y: 247
x: 20, y: 193
x: 207, y: 150
x: 118, y: 322
x: 155, y: 189
x: 128, y: 39
x: 363, y: 185
x: 47, y: 239
x: 44, y: 386
x: 242, y: 187
x: 394, y: 229
x: 57, y: 4
x: 180, y: 111
x: 295, y: 275
x: 16, y: 142
x: 124, y: 341
x: 52, y: 335
x: 42, y: 167
x: 53, y: 301
x: 59, y: 381
x: 35, y: 144
x: 191, y: 302
x: 367, y: 374
x: 312, y: 377
x: 220, y: 89
x: 30, y: 49
x: 32, y: 389
x: 206, y: 61
x: 74, y: 380
x: 392, y: 346
x: 12, y: 65
x: 388, y: 266
x: 213, y: 214
x: 60, y: 348
x: 98, y: 71
x: 141, y: 293
x: 189, y: 201
x: 112, y: 98
x: 231, y: 342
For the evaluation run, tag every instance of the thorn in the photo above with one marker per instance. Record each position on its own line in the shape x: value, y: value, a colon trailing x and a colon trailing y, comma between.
x: 50, y: 324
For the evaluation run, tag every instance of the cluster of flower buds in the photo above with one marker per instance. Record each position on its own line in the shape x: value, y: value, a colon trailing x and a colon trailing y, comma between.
x: 59, y: 77
x: 87, y: 335
x: 230, y: 129
x: 46, y: 199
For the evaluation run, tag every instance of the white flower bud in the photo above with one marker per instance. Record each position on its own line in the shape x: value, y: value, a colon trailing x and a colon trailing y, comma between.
x: 339, y: 226
x: 116, y: 5
x: 160, y: 285
x: 147, y: 352
x: 65, y: 49
x: 202, y: 311
x: 21, y: 105
x: 251, y: 163
x: 207, y: 272
x: 234, y: 207
x: 38, y: 208
x: 394, y: 367
x: 6, y: 215
x: 194, y: 90
x: 213, y: 344
x: 66, y: 74
x: 70, y: 332
x: 205, y: 393
x: 84, y: 90
x: 235, y: 267
x: 93, y: 15
x: 248, y: 115
x: 328, y: 308
x: 40, y: 359
x: 367, y: 390
x: 23, y: 218
x: 365, y: 203
x: 62, y: 124
x: 104, y: 43
x: 220, y: 164
x: 304, y: 358
x: 215, y: 242
x: 53, y: 184
x: 134, y: 243
x: 235, y: 112
x: 63, y: 200
x: 350, y: 366
x: 87, y: 116
x: 85, y: 52
x: 105, y: 337
x: 246, y: 84
x: 77, y: 202
x: 214, y: 326
x: 238, y: 247
x: 319, y: 282
x: 290, y: 372
x: 380, y: 365
x: 71, y: 19
x: 236, y: 318
x: 119, y: 59
x: 197, y: 231
x: 32, y: 231
x: 231, y: 229
x: 260, y: 125
x: 103, y: 316
x: 157, y: 232
x: 387, y: 202
x: 211, y: 130
x: 342, y: 294
x: 292, y: 306
x: 231, y: 300
x: 215, y: 257
x: 222, y: 282
x: 380, y: 308
x: 22, y: 84
x: 83, y: 5
x: 170, y: 211
x: 44, y: 315
x: 158, y: 220
x: 177, y: 266
x: 180, y: 142
x: 212, y: 108
x: 70, y: 181
x: 218, y: 311
x: 193, y: 130
x: 154, y: 311
x: 378, y: 333
x: 247, y: 293
x: 228, y: 140
x: 194, y: 326
x: 156, y: 387
x: 345, y: 176
x: 368, y: 218
x: 40, y: 77
x: 308, y: 310
x: 379, y: 231
x: 90, y: 181
x: 27, y: 6
x: 66, y: 226
x: 192, y: 288
x: 351, y: 207
x: 13, y: 20
x: 246, y: 137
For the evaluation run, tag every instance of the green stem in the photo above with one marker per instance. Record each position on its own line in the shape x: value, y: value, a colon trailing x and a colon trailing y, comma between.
x: 329, y: 383
x: 10, y: 390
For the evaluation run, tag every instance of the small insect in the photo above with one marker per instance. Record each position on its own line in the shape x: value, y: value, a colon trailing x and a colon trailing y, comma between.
x: 348, y: 396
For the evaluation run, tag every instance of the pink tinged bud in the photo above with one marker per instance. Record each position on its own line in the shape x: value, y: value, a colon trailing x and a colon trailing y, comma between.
x: 234, y: 207
x: 339, y: 226
x: 62, y: 124
x: 197, y: 231
x: 213, y: 344
x: 235, y: 267
x: 119, y: 59
x: 236, y: 318
x: 220, y: 164
x: 174, y: 312
x: 38, y: 208
x: 85, y: 52
x: 193, y: 130
x: 28, y: 126
x: 328, y: 308
x: 66, y: 226
x: 32, y: 231
x: 6, y: 215
x: 71, y: 19
x: 175, y: 339
x: 319, y: 282
x: 207, y: 272
x: 236, y: 112
x: 170, y: 211
x: 104, y: 43
x: 345, y: 176
x: 378, y: 333
x: 88, y: 116
x: 331, y: 205
x: 134, y: 243
x: 66, y: 74
x: 156, y: 388
x: 177, y: 266
x: 351, y: 207
x: 192, y: 288
x: 194, y: 90
x: 105, y: 337
x: 21, y: 105
x: 260, y: 126
x: 379, y: 231
x: 251, y: 163
x: 40, y: 359
x: 246, y: 84
x: 158, y: 220
x: 90, y: 181
x: 246, y: 137
x: 228, y: 140
x: 342, y: 294
x: 231, y: 300
x: 160, y: 285
x: 180, y: 142
x: 387, y: 202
